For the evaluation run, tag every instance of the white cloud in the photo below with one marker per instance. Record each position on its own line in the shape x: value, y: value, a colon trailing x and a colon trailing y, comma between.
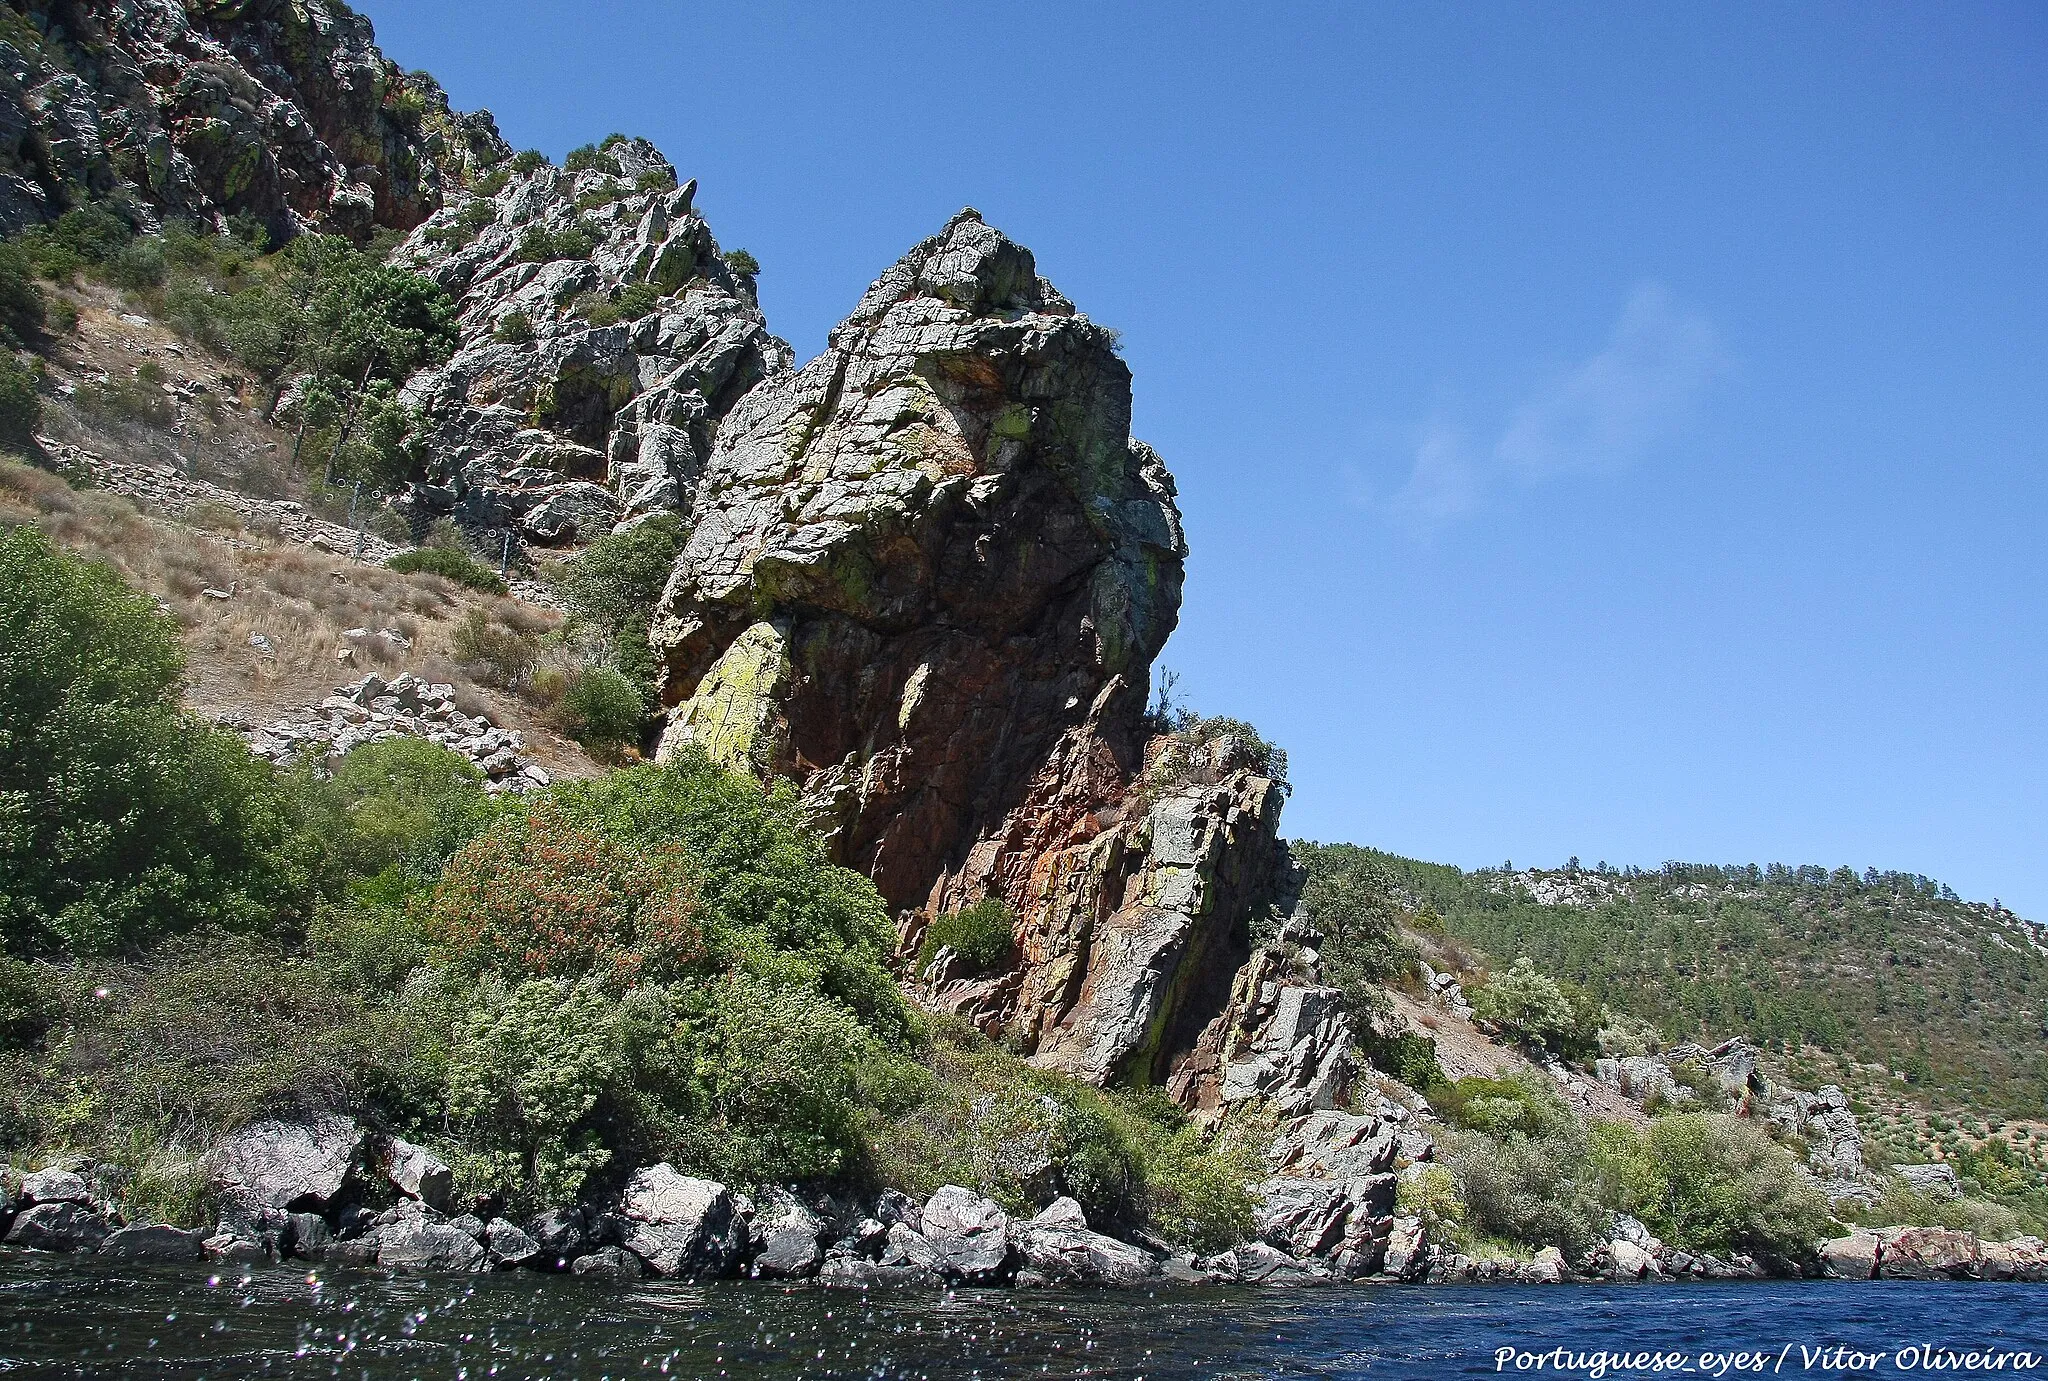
x: 1599, y: 416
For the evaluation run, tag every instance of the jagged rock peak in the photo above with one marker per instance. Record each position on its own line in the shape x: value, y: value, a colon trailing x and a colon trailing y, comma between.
x: 280, y: 109
x: 969, y: 264
x: 925, y: 557
x: 604, y: 338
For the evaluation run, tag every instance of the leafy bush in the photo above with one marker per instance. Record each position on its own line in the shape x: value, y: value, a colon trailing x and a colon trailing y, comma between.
x: 92, y: 235
x: 1534, y: 1008
x: 451, y: 563
x: 21, y: 400
x: 536, y: 895
x: 122, y: 820
x: 408, y: 804
x: 613, y: 585
x: 528, y: 161
x: 742, y: 263
x: 1711, y: 1183
x: 1512, y: 1104
x: 513, y: 328
x: 589, y: 158
x: 539, y: 245
x: 602, y: 709
x: 1431, y: 1194
x: 634, y: 301
x: 1533, y: 1191
x: 22, y: 307
x: 1353, y: 902
x: 983, y: 935
x: 524, y: 1078
x: 655, y: 180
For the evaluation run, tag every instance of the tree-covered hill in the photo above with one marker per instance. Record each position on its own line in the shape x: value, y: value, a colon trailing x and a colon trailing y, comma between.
x: 1889, y: 968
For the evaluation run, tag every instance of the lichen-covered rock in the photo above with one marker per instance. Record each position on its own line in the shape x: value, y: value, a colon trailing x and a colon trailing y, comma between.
x: 1275, y: 1039
x: 286, y: 1165
x: 1937, y: 1181
x: 416, y: 1171
x: 55, y: 1185
x: 926, y: 562
x: 415, y: 1244
x: 1333, y: 1145
x: 603, y: 340
x: 971, y: 1234
x: 286, y: 112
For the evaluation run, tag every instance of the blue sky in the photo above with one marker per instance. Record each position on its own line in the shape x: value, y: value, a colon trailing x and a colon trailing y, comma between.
x: 1603, y: 430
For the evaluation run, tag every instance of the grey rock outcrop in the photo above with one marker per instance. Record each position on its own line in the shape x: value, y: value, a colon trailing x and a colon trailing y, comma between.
x: 285, y: 1165
x: 561, y: 1234
x: 1937, y: 1180
x: 508, y: 1244
x: 785, y: 1236
x: 284, y: 112
x: 420, y: 1244
x: 55, y: 1185
x: 415, y: 1171
x: 604, y: 339
x: 614, y: 1264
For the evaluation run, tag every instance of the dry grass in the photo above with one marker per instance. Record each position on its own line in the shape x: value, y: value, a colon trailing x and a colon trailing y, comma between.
x: 298, y: 600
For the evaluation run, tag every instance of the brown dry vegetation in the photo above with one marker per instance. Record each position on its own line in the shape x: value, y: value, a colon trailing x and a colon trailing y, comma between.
x: 299, y: 599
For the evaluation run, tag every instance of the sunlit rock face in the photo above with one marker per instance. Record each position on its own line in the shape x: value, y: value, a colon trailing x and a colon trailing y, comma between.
x: 927, y: 564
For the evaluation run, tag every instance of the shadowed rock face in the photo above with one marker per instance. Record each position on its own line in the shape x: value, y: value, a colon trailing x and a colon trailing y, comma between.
x: 284, y: 111
x: 929, y: 572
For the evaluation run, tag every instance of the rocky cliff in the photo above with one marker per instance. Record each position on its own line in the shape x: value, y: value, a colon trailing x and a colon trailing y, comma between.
x: 279, y: 109
x: 927, y: 577
x: 603, y: 340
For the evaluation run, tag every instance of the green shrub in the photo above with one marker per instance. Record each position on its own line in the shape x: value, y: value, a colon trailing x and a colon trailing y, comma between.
x: 21, y: 400
x: 86, y: 236
x: 1354, y: 903
x: 22, y: 306
x: 655, y: 180
x: 634, y: 301
x: 589, y: 158
x: 492, y: 182
x: 525, y: 1078
x: 528, y: 161
x: 539, y: 245
x: 1540, y: 1011
x: 1511, y: 1104
x: 1705, y: 1182
x: 122, y: 820
x: 603, y: 709
x: 613, y: 584
x: 768, y: 894
x: 513, y: 328
x: 408, y: 804
x: 1533, y: 1191
x: 451, y: 563
x: 742, y: 263
x: 983, y: 935
x: 1431, y: 1194
x: 499, y: 655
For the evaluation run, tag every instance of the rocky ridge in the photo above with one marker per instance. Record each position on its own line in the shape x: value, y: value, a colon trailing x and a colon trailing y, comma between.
x: 604, y: 337
x: 283, y: 110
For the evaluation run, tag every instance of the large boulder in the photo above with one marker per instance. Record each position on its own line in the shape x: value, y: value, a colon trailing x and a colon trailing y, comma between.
x: 155, y: 1242
x: 1854, y: 1257
x: 970, y: 1234
x: 415, y: 1171
x: 1059, y: 1245
x: 55, y: 1185
x: 58, y: 1227
x: 560, y: 1234
x: 1931, y: 1254
x: 509, y: 1245
x: 785, y: 1235
x: 681, y: 1225
x: 286, y: 1165
x: 416, y: 1244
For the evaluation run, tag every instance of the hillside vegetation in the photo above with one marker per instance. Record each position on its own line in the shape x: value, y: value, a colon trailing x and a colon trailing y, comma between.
x: 1890, y: 969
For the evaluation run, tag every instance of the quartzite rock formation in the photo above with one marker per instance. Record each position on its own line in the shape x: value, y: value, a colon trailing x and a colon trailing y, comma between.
x: 603, y: 339
x: 926, y: 579
x: 279, y: 109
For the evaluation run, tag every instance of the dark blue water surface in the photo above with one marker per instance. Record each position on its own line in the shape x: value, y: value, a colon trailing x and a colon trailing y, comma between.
x: 67, y: 1318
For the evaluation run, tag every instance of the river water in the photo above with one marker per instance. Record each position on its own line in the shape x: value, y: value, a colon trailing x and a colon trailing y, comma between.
x: 65, y: 1318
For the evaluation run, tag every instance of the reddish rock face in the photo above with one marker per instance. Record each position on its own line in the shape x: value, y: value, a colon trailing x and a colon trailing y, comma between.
x: 928, y: 565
